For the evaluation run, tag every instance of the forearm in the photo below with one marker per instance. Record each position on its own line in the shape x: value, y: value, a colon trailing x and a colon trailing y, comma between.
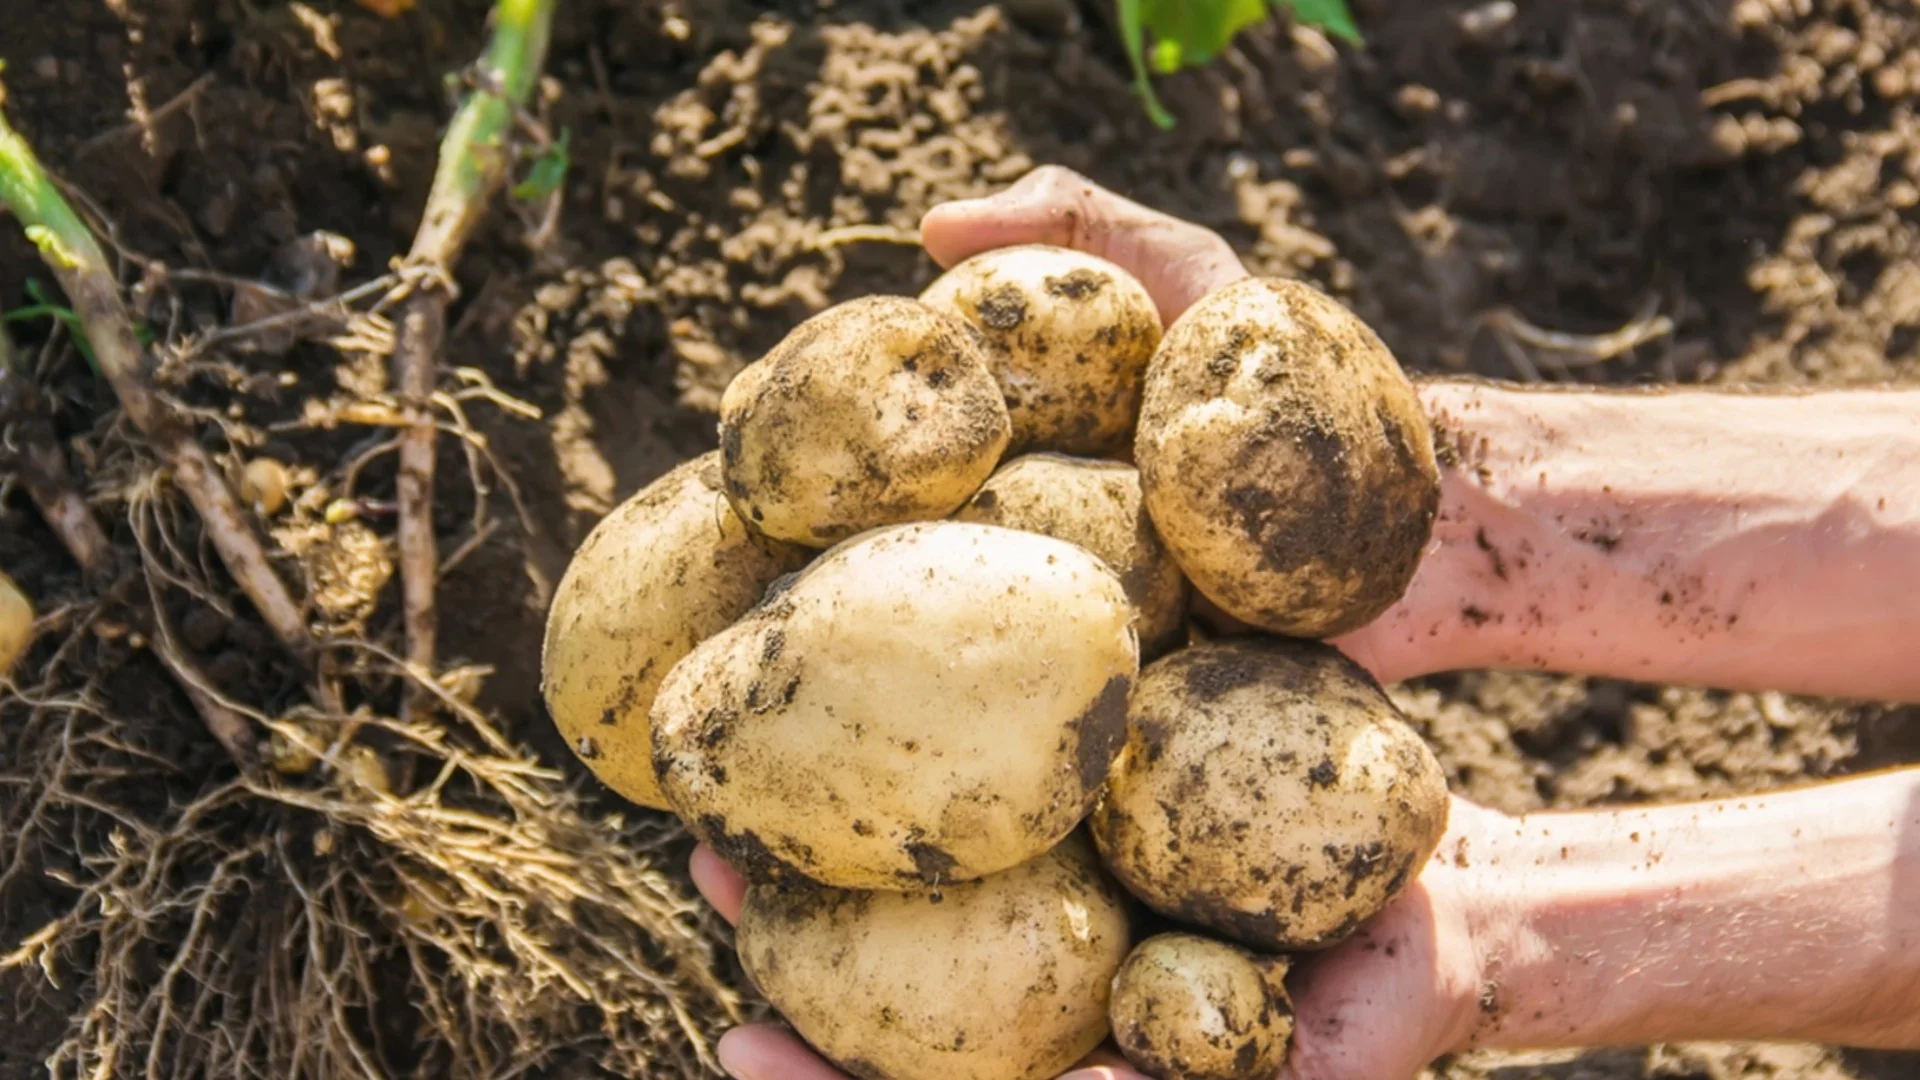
x: 1791, y: 916
x: 1744, y: 541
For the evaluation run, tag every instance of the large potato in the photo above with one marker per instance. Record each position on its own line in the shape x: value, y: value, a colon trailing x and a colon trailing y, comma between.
x: 1005, y: 978
x: 1095, y: 504
x: 1190, y: 1008
x: 669, y: 567
x: 1069, y: 336
x: 923, y: 705
x: 877, y: 411
x: 1286, y: 459
x: 1269, y: 791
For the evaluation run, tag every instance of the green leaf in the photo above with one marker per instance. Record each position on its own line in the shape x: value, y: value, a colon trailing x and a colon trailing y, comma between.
x: 1190, y: 33
x: 1329, y: 15
x: 1200, y: 29
x: 549, y: 171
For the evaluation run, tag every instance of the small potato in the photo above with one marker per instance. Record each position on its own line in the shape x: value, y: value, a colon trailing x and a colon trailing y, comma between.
x: 1190, y: 1008
x: 1286, y: 459
x: 1269, y: 791
x: 923, y: 705
x: 668, y: 568
x: 16, y: 623
x: 263, y: 485
x: 1005, y: 978
x: 875, y: 412
x: 1095, y: 504
x: 1069, y: 336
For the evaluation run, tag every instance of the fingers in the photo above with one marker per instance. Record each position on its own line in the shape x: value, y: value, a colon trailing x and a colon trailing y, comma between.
x: 765, y: 1052
x: 721, y: 884
x: 1104, y: 1065
x: 1177, y: 261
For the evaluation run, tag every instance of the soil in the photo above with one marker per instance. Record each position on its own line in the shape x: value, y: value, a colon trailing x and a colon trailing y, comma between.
x: 1750, y: 170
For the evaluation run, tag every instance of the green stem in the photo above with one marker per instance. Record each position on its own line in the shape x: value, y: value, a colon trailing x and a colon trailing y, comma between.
x: 473, y: 165
x: 64, y: 241
x: 1134, y: 38
x: 473, y: 155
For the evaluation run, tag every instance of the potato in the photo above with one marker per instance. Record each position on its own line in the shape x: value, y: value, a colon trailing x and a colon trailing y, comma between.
x: 667, y: 569
x: 1286, y: 459
x: 1190, y: 1008
x: 874, y: 412
x: 1095, y: 504
x: 16, y: 624
x: 1005, y: 978
x: 1069, y: 336
x: 1269, y: 791
x: 923, y: 705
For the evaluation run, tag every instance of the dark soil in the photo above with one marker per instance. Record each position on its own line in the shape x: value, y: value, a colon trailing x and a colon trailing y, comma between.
x: 1748, y: 171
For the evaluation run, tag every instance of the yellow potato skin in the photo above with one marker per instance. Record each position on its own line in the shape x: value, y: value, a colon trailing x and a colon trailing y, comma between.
x: 16, y: 623
x: 1269, y: 791
x: 1187, y: 1007
x: 923, y: 705
x: 1286, y: 459
x: 1068, y: 335
x: 873, y: 412
x: 1005, y: 978
x: 665, y: 570
x: 1097, y: 505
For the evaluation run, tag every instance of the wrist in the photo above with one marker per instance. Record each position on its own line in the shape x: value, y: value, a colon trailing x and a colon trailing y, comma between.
x: 1743, y: 541
x: 1794, y: 915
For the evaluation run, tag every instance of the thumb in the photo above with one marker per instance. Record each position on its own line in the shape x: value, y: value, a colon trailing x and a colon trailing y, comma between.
x: 1179, y: 262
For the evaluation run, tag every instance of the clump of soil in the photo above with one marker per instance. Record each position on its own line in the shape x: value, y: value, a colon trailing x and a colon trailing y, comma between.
x: 1747, y: 169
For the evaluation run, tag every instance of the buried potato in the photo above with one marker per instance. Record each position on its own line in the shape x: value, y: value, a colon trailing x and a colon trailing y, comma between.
x: 1187, y: 1007
x: 16, y: 623
x: 1095, y: 504
x: 1005, y: 978
x: 1286, y: 459
x: 665, y: 570
x: 1068, y: 336
x: 924, y: 704
x: 1269, y: 791
x: 874, y: 412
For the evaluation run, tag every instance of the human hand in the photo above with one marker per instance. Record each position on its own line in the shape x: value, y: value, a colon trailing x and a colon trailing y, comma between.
x: 1179, y: 262
x: 1402, y: 990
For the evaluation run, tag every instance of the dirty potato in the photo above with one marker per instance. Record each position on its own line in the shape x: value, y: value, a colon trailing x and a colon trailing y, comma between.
x: 1286, y: 459
x: 1069, y: 336
x: 877, y: 411
x: 1095, y: 504
x: 923, y: 705
x: 665, y: 570
x: 1187, y: 1007
x: 1269, y: 791
x: 1005, y: 978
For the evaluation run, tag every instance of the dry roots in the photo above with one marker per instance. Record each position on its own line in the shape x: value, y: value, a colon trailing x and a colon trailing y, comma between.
x: 412, y: 896
x: 271, y: 927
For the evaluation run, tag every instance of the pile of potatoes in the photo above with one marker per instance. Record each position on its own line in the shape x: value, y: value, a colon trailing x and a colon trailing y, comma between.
x: 883, y: 651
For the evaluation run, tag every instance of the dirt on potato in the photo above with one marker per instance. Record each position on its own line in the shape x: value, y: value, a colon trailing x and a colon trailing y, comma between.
x: 1480, y: 182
